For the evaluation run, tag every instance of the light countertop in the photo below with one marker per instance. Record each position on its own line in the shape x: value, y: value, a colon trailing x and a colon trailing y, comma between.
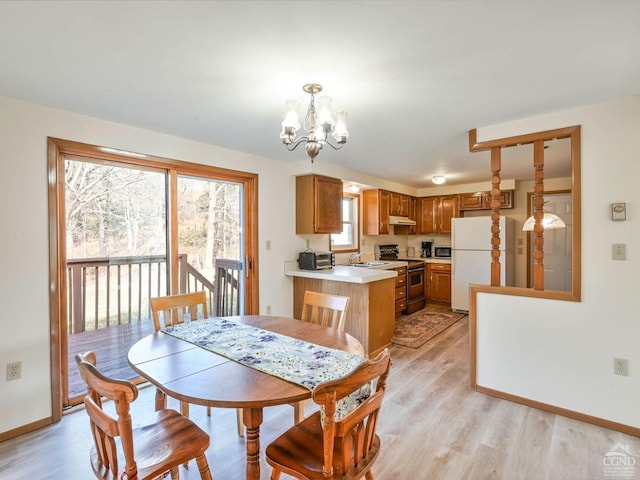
x: 436, y: 260
x: 344, y: 273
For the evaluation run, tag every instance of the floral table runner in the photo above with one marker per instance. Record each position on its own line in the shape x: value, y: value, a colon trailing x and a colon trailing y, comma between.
x: 291, y: 359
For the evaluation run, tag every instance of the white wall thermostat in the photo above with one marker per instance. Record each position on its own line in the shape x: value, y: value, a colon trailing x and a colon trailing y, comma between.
x: 618, y: 211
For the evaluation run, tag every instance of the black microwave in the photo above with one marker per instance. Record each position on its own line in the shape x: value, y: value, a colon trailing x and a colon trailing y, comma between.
x: 309, y: 260
x: 442, y: 252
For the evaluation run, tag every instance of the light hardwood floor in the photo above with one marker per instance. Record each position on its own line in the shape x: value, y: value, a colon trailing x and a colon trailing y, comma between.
x: 433, y: 427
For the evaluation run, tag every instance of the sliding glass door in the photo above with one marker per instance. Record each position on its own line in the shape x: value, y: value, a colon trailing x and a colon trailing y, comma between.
x: 128, y: 229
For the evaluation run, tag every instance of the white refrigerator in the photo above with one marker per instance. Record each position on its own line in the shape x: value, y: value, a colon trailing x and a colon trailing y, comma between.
x: 471, y: 256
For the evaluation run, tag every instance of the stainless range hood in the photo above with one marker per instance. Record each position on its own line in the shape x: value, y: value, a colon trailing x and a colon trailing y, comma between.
x: 395, y: 220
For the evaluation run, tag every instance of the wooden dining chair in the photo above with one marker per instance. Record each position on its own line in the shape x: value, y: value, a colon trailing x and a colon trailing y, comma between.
x: 328, y: 311
x: 173, y: 309
x: 324, y: 309
x: 160, y: 445
x: 326, y: 448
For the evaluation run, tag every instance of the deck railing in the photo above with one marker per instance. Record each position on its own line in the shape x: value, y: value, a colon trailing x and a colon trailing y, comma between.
x: 104, y: 292
x: 228, y: 292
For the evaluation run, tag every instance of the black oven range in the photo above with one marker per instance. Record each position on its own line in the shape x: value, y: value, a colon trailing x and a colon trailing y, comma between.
x: 416, y: 276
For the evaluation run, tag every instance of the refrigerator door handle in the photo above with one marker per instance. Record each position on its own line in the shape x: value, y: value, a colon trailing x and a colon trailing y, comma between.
x: 453, y: 234
x: 453, y: 265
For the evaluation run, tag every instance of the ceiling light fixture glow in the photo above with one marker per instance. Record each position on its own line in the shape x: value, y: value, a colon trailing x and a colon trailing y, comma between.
x: 317, y: 124
x: 438, y: 179
x: 550, y: 221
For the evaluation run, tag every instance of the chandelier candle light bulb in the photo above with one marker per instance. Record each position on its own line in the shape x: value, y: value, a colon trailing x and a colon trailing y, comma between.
x: 318, y: 123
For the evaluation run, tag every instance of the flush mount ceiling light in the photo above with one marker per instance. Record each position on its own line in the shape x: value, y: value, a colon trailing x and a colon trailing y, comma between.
x: 438, y: 179
x: 353, y: 188
x: 318, y: 123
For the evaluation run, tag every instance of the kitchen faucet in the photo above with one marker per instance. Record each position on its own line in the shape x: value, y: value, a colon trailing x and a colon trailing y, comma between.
x: 353, y: 256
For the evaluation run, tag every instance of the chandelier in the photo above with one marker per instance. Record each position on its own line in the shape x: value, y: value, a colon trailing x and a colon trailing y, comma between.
x: 318, y: 124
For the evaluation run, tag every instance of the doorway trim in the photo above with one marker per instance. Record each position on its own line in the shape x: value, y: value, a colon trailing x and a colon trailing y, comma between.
x: 57, y: 149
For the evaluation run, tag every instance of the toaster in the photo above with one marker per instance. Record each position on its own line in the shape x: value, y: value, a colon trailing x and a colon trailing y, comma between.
x: 309, y: 260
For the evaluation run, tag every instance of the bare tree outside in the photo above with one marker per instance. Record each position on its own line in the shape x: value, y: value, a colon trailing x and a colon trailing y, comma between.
x: 208, y: 222
x: 116, y: 238
x: 113, y: 211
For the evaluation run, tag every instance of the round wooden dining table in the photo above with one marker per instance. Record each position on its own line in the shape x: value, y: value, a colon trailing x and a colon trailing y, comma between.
x: 193, y: 374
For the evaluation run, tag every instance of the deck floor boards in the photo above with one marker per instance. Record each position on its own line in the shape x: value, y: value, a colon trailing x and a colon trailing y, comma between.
x: 111, y: 346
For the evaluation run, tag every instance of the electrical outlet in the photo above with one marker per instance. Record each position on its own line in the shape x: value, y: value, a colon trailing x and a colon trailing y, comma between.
x: 618, y: 251
x: 621, y: 366
x: 14, y: 370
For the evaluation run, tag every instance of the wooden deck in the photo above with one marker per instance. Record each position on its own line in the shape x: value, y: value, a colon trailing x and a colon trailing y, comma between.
x: 111, y: 346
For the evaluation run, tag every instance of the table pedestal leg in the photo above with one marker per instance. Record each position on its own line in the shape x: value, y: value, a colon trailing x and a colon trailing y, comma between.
x: 252, y: 418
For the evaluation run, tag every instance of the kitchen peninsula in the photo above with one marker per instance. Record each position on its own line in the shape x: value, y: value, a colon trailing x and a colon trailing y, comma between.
x: 371, y: 311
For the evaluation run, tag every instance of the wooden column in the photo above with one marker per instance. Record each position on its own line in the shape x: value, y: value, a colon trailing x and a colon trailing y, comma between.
x: 495, y: 216
x: 538, y: 214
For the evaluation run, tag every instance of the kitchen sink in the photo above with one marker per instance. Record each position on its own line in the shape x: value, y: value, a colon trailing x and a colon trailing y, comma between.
x: 368, y: 264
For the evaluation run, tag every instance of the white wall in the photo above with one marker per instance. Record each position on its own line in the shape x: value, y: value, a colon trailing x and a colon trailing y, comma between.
x: 24, y: 263
x: 578, y: 339
x: 561, y: 353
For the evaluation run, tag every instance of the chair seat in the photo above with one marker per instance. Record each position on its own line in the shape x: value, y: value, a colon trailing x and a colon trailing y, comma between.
x: 166, y: 440
x: 299, y: 451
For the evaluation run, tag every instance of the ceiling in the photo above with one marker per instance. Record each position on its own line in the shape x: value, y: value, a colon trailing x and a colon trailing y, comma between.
x: 414, y: 76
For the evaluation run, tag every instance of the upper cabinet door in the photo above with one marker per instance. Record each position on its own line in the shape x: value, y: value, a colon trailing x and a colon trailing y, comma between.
x: 399, y: 204
x: 435, y: 214
x: 448, y: 210
x: 328, y: 199
x: 427, y: 219
x: 318, y: 204
x: 375, y: 212
x: 482, y: 200
x: 473, y: 201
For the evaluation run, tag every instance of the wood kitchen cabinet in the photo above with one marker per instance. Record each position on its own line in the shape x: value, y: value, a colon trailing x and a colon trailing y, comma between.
x: 435, y: 214
x: 399, y: 204
x: 375, y: 212
x: 413, y: 208
x: 482, y: 200
x: 439, y: 283
x: 401, y: 290
x: 318, y: 204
